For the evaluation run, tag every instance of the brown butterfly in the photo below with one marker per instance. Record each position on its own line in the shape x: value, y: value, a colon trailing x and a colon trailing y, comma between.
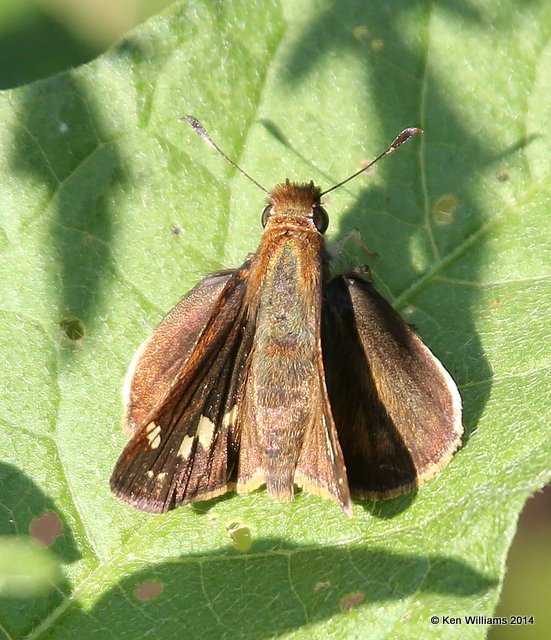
x: 275, y: 374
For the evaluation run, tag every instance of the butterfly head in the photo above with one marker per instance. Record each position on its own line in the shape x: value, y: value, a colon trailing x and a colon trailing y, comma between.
x: 298, y: 201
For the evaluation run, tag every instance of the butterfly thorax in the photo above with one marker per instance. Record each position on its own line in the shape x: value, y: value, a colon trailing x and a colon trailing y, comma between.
x: 293, y: 195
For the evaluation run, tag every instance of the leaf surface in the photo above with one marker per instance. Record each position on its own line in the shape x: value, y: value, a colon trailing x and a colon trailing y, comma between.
x: 111, y: 209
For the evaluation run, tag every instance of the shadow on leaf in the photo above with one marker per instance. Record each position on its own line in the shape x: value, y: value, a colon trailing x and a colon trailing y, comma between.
x: 62, y: 143
x: 36, y: 46
x: 27, y: 512
x: 275, y: 588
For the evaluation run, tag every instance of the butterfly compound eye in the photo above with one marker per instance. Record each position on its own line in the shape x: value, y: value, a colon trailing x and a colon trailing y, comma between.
x: 321, y: 219
x: 266, y: 214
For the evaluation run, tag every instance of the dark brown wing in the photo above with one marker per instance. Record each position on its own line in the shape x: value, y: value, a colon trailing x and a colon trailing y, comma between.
x: 160, y: 358
x: 184, y: 389
x: 396, y: 409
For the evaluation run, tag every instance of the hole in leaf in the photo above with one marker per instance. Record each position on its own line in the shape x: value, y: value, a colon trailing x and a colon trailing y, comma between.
x: 240, y: 536
x: 73, y: 329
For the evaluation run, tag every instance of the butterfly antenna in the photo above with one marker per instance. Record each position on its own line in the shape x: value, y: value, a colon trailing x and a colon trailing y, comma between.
x: 403, y: 137
x: 202, y: 132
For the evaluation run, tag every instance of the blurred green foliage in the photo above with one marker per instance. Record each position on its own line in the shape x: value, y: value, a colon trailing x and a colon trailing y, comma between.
x: 37, y: 39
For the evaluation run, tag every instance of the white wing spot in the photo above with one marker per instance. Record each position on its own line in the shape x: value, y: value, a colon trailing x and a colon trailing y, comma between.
x: 205, y: 432
x: 185, y: 447
x: 161, y: 476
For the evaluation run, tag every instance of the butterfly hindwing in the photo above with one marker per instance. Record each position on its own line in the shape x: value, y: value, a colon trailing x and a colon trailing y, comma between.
x: 396, y: 409
x: 185, y: 447
x: 321, y: 468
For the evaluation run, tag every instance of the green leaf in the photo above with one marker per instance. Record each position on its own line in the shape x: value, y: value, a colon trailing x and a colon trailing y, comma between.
x: 111, y: 209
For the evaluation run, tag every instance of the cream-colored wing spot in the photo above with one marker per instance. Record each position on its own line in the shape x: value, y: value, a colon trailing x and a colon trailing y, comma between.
x: 153, y: 436
x: 185, y: 447
x: 205, y: 432
x: 229, y: 418
x: 159, y: 477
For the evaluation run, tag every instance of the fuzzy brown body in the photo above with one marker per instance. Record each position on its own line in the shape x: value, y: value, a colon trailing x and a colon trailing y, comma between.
x: 283, y: 368
x: 272, y: 374
x: 282, y: 406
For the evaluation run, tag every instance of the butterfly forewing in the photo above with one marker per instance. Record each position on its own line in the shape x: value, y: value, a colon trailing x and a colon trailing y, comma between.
x: 164, y: 353
x: 184, y: 449
x: 396, y: 409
